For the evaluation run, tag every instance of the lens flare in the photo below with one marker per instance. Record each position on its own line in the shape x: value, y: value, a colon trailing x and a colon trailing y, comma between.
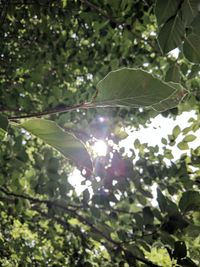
x: 100, y: 148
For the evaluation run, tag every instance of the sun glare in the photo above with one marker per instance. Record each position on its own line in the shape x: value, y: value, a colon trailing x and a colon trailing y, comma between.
x: 100, y: 148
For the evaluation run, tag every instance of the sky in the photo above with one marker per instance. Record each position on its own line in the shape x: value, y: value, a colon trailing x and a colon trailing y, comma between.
x: 152, y: 134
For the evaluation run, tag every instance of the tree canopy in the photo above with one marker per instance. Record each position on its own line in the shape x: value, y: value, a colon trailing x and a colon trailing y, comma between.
x: 76, y: 71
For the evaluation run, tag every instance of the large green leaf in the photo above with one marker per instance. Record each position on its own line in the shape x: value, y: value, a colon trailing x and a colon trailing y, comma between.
x: 165, y: 10
x: 171, y: 34
x: 189, y: 10
x: 3, y: 126
x: 133, y: 88
x: 191, y: 48
x: 173, y: 100
x: 66, y: 143
x: 190, y: 200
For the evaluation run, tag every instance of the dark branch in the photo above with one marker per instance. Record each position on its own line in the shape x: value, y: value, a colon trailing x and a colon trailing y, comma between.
x: 52, y: 111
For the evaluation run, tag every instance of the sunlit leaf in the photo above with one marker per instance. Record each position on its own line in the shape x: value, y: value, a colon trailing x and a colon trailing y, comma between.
x: 176, y: 131
x: 189, y: 138
x: 66, y: 143
x: 183, y: 145
x: 133, y: 88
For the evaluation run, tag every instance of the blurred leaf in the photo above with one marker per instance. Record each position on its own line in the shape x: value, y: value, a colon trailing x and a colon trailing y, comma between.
x: 189, y: 138
x: 148, y: 216
x: 65, y: 143
x: 180, y: 250
x: 187, y: 262
x: 3, y: 126
x: 176, y: 131
x: 189, y: 201
x: 134, y: 88
x: 161, y: 200
x: 183, y: 146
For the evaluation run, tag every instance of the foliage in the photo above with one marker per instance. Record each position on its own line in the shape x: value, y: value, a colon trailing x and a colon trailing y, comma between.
x: 94, y: 68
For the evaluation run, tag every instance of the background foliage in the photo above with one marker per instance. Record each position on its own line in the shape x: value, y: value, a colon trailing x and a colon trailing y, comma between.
x: 53, y: 54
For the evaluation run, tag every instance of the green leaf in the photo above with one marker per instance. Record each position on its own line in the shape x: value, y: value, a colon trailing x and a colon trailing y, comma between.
x: 191, y: 48
x: 3, y: 126
x: 187, y: 262
x: 173, y: 100
x: 196, y: 25
x: 176, y: 131
x: 148, y: 216
x: 173, y: 74
x: 190, y: 200
x: 183, y: 146
x: 180, y: 250
x: 189, y: 138
x: 162, y: 201
x: 189, y: 10
x: 133, y: 88
x: 164, y: 141
x: 171, y: 34
x: 165, y: 10
x: 66, y: 143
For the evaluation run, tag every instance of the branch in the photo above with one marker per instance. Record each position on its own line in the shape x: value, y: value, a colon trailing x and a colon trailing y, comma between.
x: 52, y: 111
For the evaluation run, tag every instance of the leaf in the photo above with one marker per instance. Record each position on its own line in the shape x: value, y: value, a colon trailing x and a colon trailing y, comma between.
x: 191, y: 48
x: 183, y: 146
x: 173, y: 74
x: 148, y: 216
x: 171, y: 34
x: 194, y: 72
x: 162, y: 201
x: 196, y: 25
x: 189, y: 10
x: 3, y: 126
x: 176, y: 131
x: 165, y: 10
x: 164, y: 141
x: 133, y: 88
x: 187, y: 262
x: 65, y: 143
x: 189, y: 201
x: 189, y: 138
x: 180, y: 250
x: 173, y: 100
